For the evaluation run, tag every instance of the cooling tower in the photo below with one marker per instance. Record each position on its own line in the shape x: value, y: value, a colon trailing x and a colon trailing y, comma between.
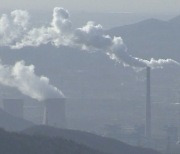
x: 148, y: 104
x: 54, y: 112
x: 14, y: 107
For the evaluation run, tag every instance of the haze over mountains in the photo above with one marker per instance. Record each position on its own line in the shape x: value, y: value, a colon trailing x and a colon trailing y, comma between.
x: 100, y: 91
x: 45, y: 139
x: 89, y: 79
x: 152, y: 38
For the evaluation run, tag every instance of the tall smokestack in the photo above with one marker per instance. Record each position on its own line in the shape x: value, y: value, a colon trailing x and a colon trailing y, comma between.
x: 54, y: 112
x: 14, y: 107
x: 148, y: 104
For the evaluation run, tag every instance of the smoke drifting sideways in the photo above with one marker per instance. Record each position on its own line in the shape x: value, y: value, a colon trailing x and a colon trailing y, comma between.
x: 24, y: 79
x: 16, y: 32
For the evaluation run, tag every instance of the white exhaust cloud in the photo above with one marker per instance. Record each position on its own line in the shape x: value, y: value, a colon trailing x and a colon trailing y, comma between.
x: 16, y: 33
x: 24, y: 79
x: 20, y: 18
x: 13, y: 27
x: 120, y: 54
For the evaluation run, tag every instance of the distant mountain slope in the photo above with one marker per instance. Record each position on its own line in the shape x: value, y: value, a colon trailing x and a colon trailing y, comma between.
x: 12, y: 143
x: 10, y: 123
x: 151, y: 38
x: 99, y: 143
x: 175, y: 20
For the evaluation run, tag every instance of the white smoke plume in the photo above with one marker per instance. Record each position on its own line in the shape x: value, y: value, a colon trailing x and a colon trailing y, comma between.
x: 27, y: 82
x: 120, y: 54
x: 60, y: 32
x: 13, y: 27
x: 20, y: 18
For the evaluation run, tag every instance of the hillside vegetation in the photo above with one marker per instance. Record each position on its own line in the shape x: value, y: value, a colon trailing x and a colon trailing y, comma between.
x: 13, y: 143
x: 93, y: 141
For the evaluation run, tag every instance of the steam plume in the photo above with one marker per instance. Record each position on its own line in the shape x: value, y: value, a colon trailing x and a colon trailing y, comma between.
x: 13, y: 28
x: 16, y: 34
x: 27, y: 82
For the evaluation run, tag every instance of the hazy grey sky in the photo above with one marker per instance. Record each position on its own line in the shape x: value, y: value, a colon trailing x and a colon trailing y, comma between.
x: 156, y: 6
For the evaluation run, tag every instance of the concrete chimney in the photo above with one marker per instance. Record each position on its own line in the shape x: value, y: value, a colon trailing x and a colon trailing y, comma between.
x: 54, y: 112
x: 14, y: 107
x: 148, y: 104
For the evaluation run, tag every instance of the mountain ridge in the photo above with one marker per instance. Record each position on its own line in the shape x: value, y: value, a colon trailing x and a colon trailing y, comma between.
x: 16, y: 143
x: 151, y: 38
x: 96, y: 142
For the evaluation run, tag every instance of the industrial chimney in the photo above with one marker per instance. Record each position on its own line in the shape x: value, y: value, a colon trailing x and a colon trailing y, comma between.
x: 14, y: 107
x: 54, y: 112
x: 148, y: 104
